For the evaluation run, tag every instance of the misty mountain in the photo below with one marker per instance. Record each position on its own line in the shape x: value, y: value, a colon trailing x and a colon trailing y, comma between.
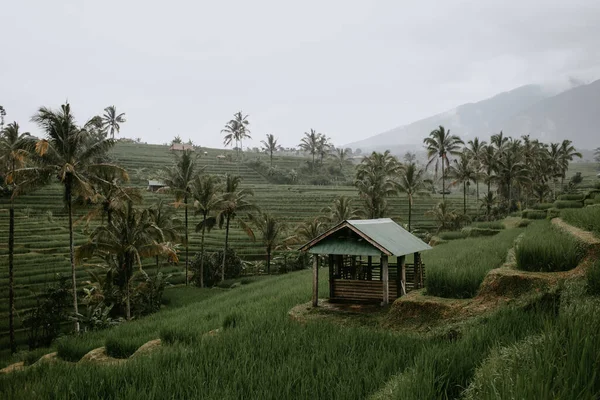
x: 530, y: 109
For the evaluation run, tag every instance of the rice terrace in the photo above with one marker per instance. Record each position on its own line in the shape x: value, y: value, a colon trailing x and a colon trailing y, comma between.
x: 235, y: 227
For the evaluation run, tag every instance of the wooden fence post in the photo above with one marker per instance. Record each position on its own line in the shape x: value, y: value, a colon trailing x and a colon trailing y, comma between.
x: 315, y: 299
x: 403, y: 266
x: 385, y: 279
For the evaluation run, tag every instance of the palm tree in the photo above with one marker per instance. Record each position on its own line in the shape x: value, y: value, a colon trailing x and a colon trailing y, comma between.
x: 236, y: 130
x: 412, y: 182
x: 342, y: 158
x: 597, y: 154
x: 270, y: 230
x: 488, y: 201
x: 474, y: 149
x: 163, y: 216
x: 70, y: 153
x: 309, y: 230
x: 111, y: 120
x: 2, y: 115
x: 567, y: 153
x: 463, y: 172
x: 443, y: 214
x: 440, y: 144
x: 234, y: 201
x: 310, y: 144
x: 14, y: 150
x: 178, y: 179
x: 270, y: 146
x: 512, y: 171
x: 109, y: 193
x: 205, y: 191
x: 323, y: 146
x: 130, y: 237
x: 340, y: 210
x: 376, y: 180
x: 489, y: 163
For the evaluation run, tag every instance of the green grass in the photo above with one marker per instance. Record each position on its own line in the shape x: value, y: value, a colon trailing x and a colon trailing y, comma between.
x: 572, y: 196
x: 120, y: 346
x: 72, y: 348
x: 451, y: 235
x: 593, y: 278
x: 543, y: 206
x: 546, y: 248
x: 456, y: 269
x: 586, y: 218
x: 534, y: 214
x: 560, y: 204
x: 488, y: 225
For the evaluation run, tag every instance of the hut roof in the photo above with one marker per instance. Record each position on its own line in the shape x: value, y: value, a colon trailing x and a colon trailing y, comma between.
x: 371, y: 237
x: 155, y: 183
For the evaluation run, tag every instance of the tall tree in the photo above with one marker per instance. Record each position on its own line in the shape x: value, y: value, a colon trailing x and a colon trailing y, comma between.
x: 567, y: 153
x: 511, y: 171
x: 207, y: 200
x: 310, y: 144
x: 323, y: 146
x: 270, y: 146
x: 178, y: 179
x: 440, y: 144
x: 111, y: 120
x: 164, y: 217
x: 109, y: 193
x: 376, y: 178
x: 130, y: 237
x: 14, y: 150
x: 71, y: 154
x: 475, y: 149
x: 342, y: 158
x: 234, y: 201
x: 309, y: 230
x: 2, y: 115
x: 462, y: 171
x: 270, y: 229
x: 236, y: 130
x: 412, y: 181
x: 489, y: 162
x: 342, y: 209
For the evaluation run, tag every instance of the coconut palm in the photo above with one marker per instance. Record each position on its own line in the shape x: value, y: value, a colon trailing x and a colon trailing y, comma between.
x: 489, y: 162
x: 270, y: 146
x: 567, y: 153
x: 270, y: 229
x: 376, y: 177
x: 463, y: 172
x: 164, y: 217
x: 236, y: 130
x: 474, y: 149
x: 308, y: 230
x: 310, y: 144
x: 111, y: 120
x: 412, y: 181
x: 130, y: 237
x: 234, y: 200
x: 512, y: 172
x: 71, y: 154
x: 597, y: 154
x: 207, y: 200
x: 341, y: 210
x: 488, y: 202
x: 323, y: 147
x: 109, y: 193
x: 15, y: 147
x: 2, y: 115
x: 178, y: 179
x: 440, y: 145
x: 342, y: 158
x: 444, y: 215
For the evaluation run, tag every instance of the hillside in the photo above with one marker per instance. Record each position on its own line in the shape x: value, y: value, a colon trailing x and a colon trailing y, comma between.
x: 531, y: 109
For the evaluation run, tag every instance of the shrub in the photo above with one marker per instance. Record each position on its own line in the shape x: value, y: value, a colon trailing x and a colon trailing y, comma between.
x: 593, y: 278
x: 572, y: 196
x: 488, y: 225
x: 545, y: 248
x: 524, y: 223
x: 586, y: 218
x: 476, y: 232
x: 552, y: 213
x: 543, y: 206
x: 451, y: 235
x: 568, y: 204
x: 122, y: 346
x: 534, y: 214
x: 212, y: 267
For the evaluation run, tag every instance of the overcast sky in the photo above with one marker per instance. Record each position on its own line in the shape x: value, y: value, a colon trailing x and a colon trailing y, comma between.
x: 350, y: 69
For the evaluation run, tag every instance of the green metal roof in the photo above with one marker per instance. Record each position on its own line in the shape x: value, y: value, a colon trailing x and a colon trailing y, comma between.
x: 371, y: 237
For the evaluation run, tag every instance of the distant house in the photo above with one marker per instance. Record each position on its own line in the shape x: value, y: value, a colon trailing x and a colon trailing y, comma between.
x: 181, y: 147
x: 221, y: 157
x: 153, y: 186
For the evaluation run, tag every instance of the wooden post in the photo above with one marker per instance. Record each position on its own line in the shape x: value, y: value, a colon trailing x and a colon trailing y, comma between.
x: 399, y: 262
x: 315, y: 299
x: 416, y: 270
x: 403, y: 266
x: 331, y: 288
x: 385, y: 279
x: 369, y: 268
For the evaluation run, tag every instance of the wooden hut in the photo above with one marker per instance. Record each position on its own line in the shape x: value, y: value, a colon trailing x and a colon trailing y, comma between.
x: 358, y: 253
x: 153, y: 186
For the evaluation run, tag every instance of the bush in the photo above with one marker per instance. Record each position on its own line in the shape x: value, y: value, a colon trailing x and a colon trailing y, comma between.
x: 534, y: 214
x: 488, y: 225
x: 122, y: 346
x: 212, y: 267
x: 574, y: 196
x: 593, y: 278
x: 552, y: 213
x: 560, y: 204
x: 476, y: 232
x: 524, y: 223
x: 543, y: 206
x: 545, y: 248
x: 147, y: 296
x: 586, y: 218
x: 451, y: 235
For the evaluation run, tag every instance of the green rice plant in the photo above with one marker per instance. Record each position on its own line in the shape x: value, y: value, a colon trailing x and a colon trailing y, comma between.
x: 231, y: 320
x: 534, y: 214
x: 593, y: 278
x: 476, y: 232
x: 488, y: 225
x: 552, y: 213
x: 72, y: 348
x: 524, y: 223
x: 457, y: 269
x: 122, y: 346
x: 589, y: 202
x: 572, y: 196
x: 546, y: 248
x: 543, y: 206
x: 451, y: 235
x: 560, y: 204
x: 586, y: 218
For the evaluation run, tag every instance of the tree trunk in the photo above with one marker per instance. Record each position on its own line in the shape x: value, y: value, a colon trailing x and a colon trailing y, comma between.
x: 409, y: 213
x: 465, y: 198
x: 489, y: 206
x: 202, y: 252
x: 185, y: 201
x: 271, y: 158
x: 127, y: 291
x: 268, y: 261
x: 68, y: 199
x: 225, y: 252
x: 444, y: 178
x: 11, y: 283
